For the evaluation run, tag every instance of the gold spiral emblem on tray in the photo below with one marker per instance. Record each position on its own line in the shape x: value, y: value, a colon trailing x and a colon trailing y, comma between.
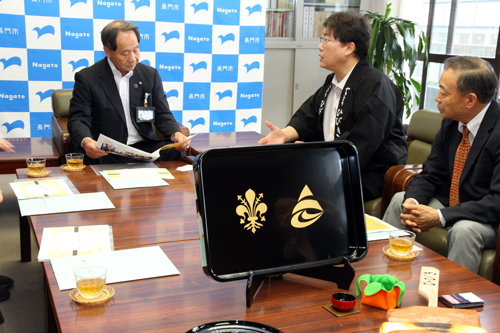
x: 307, y: 211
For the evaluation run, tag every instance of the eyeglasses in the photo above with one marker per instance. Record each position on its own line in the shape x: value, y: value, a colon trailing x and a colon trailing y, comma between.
x: 323, y: 40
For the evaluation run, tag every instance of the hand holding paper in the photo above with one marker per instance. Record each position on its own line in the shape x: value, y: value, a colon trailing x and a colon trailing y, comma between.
x: 178, y: 144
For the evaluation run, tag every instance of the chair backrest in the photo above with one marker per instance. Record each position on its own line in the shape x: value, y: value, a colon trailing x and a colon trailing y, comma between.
x: 422, y: 129
x: 60, y: 102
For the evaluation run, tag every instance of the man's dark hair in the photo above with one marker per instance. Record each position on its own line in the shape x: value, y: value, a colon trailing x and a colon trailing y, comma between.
x: 350, y: 27
x: 110, y: 31
x: 475, y: 75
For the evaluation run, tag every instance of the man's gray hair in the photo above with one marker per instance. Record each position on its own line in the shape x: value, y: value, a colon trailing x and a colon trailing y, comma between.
x: 110, y: 31
x: 475, y: 75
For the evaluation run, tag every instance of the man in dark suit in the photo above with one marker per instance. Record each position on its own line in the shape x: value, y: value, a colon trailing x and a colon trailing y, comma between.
x: 5, y: 282
x: 109, y: 98
x: 459, y: 186
x: 357, y: 102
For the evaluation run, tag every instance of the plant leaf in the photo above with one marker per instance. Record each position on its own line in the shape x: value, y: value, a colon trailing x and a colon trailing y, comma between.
x: 390, y: 39
x: 373, y: 41
x: 416, y: 84
x: 397, y: 55
x: 390, y: 56
x: 387, y: 11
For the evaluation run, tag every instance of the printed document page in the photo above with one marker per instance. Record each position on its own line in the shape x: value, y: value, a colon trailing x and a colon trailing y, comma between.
x: 376, y: 228
x: 65, y: 204
x: 124, y: 265
x: 73, y: 241
x: 118, y: 148
x: 40, y: 188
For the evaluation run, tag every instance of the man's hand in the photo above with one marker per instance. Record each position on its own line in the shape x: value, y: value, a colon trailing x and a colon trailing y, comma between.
x: 278, y: 135
x: 179, y: 137
x: 6, y: 146
x: 419, y: 217
x: 91, y: 149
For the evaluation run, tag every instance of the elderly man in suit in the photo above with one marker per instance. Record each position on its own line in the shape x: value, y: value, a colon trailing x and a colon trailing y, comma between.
x: 109, y: 98
x: 459, y: 186
x: 357, y: 103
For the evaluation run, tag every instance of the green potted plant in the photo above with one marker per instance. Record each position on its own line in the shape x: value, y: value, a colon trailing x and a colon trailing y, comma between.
x: 387, y: 54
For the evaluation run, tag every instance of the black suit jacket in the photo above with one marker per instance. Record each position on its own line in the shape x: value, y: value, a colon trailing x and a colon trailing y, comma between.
x: 479, y: 186
x: 96, y: 106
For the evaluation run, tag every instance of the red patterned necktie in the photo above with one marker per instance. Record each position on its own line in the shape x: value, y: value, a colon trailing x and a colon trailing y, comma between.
x: 460, y: 157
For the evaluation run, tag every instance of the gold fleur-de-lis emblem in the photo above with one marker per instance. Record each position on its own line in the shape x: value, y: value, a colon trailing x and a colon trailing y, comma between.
x: 251, y: 210
x: 307, y: 210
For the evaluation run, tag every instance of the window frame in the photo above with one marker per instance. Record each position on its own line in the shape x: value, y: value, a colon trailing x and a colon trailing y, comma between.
x: 440, y: 58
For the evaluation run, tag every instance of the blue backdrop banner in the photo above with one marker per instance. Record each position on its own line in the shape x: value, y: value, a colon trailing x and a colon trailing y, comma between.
x: 210, y: 56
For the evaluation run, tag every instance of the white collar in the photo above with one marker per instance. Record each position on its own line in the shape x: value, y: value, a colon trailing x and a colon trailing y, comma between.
x: 342, y: 83
x: 474, y: 123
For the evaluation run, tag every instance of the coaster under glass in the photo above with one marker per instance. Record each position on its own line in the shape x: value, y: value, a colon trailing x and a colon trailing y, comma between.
x: 409, y: 256
x: 106, y: 294
x: 66, y: 167
x: 44, y: 173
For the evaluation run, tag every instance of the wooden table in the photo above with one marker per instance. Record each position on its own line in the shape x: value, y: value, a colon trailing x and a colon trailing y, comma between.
x: 171, y: 213
x: 142, y: 215
x: 293, y: 304
x: 166, y: 216
x: 28, y: 147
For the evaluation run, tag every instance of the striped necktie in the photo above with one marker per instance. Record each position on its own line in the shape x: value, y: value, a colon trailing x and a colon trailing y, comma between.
x: 460, y: 158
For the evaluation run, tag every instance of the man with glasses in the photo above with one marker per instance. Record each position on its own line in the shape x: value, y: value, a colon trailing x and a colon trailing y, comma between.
x: 357, y: 103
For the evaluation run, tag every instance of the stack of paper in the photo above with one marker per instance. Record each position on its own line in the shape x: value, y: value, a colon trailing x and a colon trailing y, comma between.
x: 74, y: 241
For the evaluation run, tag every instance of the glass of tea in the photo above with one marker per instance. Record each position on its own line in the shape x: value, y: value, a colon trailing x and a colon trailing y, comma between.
x: 401, y: 242
x: 90, y: 281
x: 74, y: 160
x: 36, y: 165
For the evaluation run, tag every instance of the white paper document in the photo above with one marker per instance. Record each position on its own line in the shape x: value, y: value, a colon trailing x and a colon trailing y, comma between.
x: 123, y: 265
x: 97, y: 168
x: 118, y: 148
x: 187, y: 167
x: 65, y: 204
x: 73, y: 241
x: 40, y: 188
x: 138, y: 173
x: 377, y: 229
x: 123, y: 183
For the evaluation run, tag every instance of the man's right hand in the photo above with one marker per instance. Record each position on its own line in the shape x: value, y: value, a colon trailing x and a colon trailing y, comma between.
x: 278, y: 135
x: 419, y: 217
x: 91, y: 149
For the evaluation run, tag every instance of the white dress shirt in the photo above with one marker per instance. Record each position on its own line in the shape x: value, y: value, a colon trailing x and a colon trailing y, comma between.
x: 122, y: 83
x: 332, y: 105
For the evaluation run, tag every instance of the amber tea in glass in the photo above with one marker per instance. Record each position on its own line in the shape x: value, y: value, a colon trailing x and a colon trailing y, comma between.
x: 401, y: 242
x: 90, y: 281
x: 35, y: 165
x: 74, y: 160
